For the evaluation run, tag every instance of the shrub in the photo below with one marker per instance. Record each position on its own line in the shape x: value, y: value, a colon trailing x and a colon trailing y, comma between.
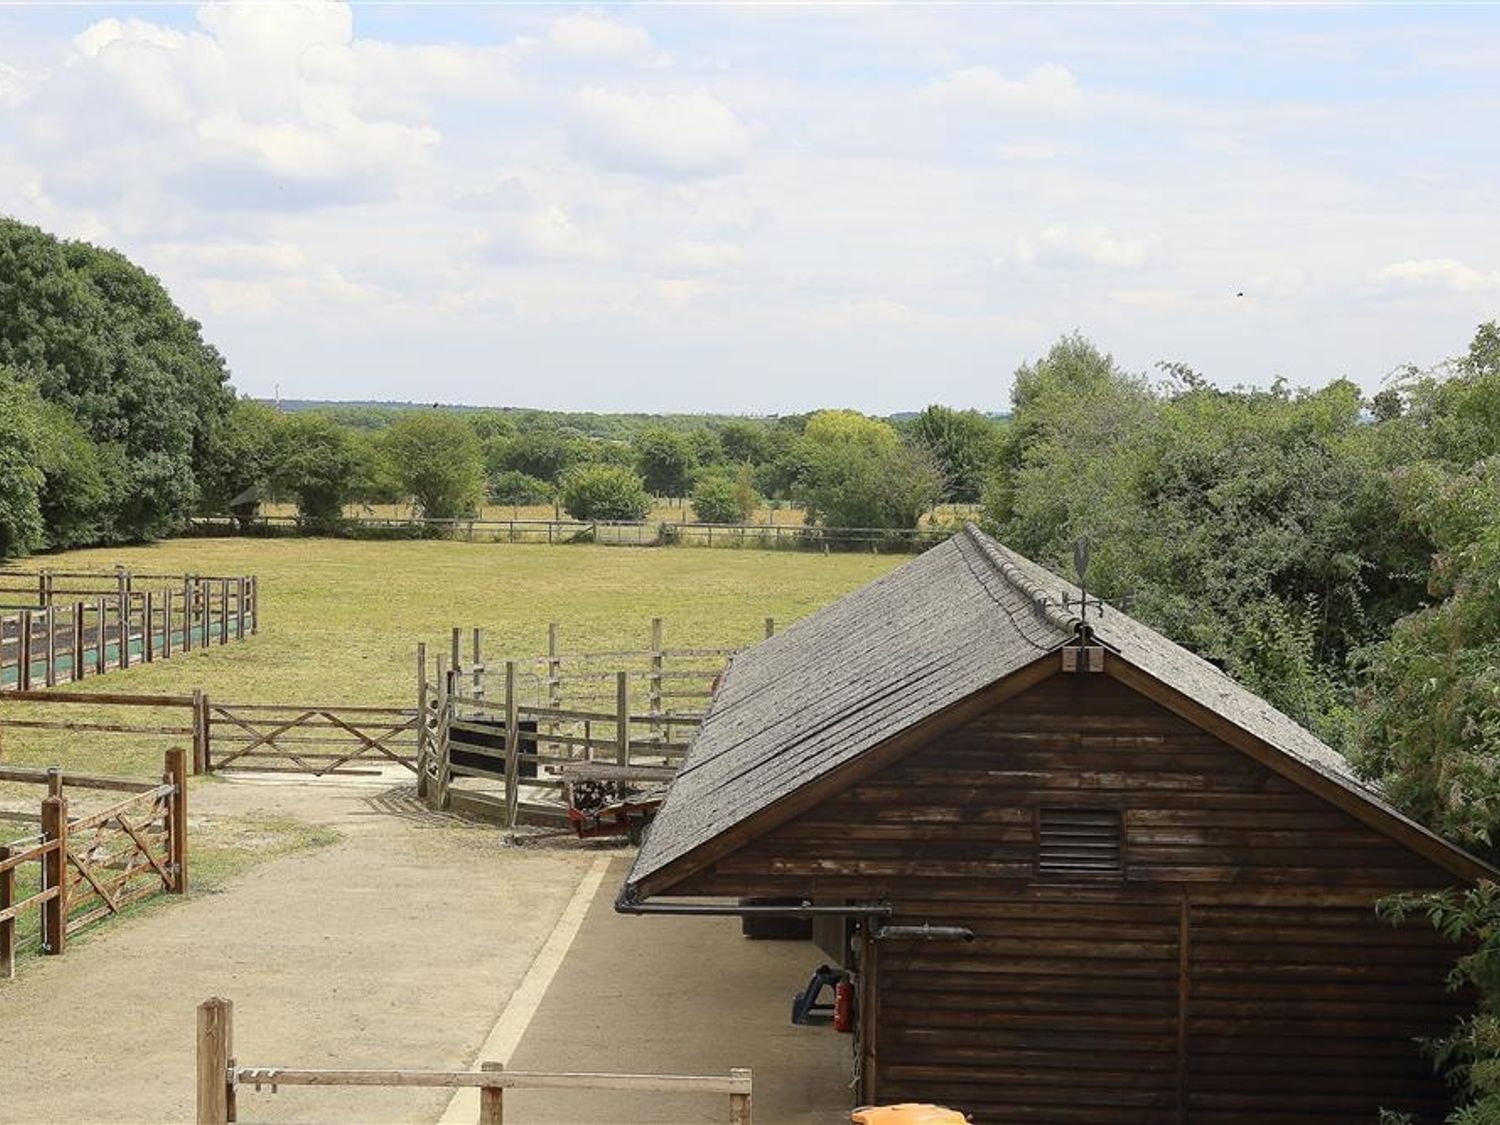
x: 721, y: 498
x: 604, y: 492
x: 511, y: 487
x: 436, y: 457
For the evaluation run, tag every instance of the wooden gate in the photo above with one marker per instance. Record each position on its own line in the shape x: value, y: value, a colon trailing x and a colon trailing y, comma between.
x: 314, y: 740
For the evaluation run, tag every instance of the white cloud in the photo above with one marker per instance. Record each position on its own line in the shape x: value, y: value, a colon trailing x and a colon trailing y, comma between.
x: 699, y: 256
x: 677, y: 135
x: 1061, y: 245
x: 546, y: 234
x: 1442, y: 274
x: 1046, y: 87
x: 592, y: 33
x: 16, y: 85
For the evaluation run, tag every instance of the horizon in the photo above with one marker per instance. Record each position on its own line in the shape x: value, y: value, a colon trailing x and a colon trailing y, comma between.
x: 762, y: 210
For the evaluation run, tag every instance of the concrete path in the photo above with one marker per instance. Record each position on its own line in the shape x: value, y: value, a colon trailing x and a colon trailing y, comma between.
x: 397, y: 946
x: 685, y: 996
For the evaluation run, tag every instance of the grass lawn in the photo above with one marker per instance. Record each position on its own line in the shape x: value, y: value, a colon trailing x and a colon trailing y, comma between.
x: 340, y: 619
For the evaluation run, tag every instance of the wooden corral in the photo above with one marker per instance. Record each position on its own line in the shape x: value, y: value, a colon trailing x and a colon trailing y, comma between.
x: 527, y: 721
x: 220, y: 1078
x: 60, y: 626
x: 73, y: 871
x: 1120, y: 888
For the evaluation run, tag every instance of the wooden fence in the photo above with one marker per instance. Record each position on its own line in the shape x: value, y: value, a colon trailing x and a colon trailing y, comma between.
x: 220, y: 1078
x: 60, y: 626
x: 630, y: 533
x: 633, y: 709
x: 292, y: 738
x: 78, y: 870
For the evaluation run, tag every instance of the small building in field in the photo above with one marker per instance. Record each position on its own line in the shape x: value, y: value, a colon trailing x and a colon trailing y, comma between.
x: 1119, y: 887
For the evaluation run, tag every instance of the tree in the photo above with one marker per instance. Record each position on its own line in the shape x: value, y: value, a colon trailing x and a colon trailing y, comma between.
x: 604, y: 492
x: 544, y: 452
x: 78, y: 496
x: 665, y: 461
x: 101, y: 338
x: 244, y: 459
x: 858, y: 473
x: 745, y: 443
x: 511, y: 487
x: 21, y: 527
x: 964, y: 444
x: 436, y: 457
x: 724, y: 497
x: 316, y: 461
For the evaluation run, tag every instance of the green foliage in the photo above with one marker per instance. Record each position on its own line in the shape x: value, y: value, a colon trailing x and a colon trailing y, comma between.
x: 511, y: 487
x: 665, y: 460
x: 317, y: 461
x: 604, y: 492
x: 244, y: 459
x: 78, y: 495
x: 101, y: 339
x: 436, y: 458
x: 859, y: 473
x: 21, y: 479
x: 543, y: 452
x: 1470, y: 1054
x: 745, y: 443
x: 964, y: 444
x: 724, y: 497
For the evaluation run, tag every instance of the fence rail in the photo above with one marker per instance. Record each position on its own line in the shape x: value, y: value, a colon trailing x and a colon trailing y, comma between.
x: 59, y: 627
x: 79, y: 870
x: 220, y: 1079
x: 638, y: 533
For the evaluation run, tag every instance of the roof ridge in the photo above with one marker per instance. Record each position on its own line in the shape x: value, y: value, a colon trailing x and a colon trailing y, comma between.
x: 1042, y: 601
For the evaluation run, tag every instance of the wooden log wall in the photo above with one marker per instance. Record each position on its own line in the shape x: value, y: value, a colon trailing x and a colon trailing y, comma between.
x: 1219, y: 962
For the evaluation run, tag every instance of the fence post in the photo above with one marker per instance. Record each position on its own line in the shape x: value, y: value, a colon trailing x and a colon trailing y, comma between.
x: 100, y: 615
x: 49, y: 620
x: 239, y: 609
x: 512, y: 747
x: 492, y: 1098
x: 421, y: 719
x: 177, y: 819
x: 254, y: 604
x: 169, y: 596
x: 656, y: 670
x: 188, y: 602
x: 75, y: 672
x: 477, y: 671
x: 200, y: 731
x: 444, y: 709
x: 7, y: 927
x: 622, y: 719
x: 457, y: 650
x: 55, y: 867
x: 215, y: 1046
x: 23, y: 671
x: 770, y: 627
x: 223, y: 611
x: 739, y: 1104
x: 122, y: 627
x: 148, y: 623
x: 554, y: 676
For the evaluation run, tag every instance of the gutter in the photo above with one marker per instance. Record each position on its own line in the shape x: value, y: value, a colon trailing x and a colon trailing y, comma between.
x: 629, y: 902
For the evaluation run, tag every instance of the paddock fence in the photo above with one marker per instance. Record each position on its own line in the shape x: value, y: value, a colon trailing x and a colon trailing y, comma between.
x: 310, y: 739
x: 624, y: 533
x: 536, y: 723
x: 221, y: 1080
x: 74, y: 871
x: 61, y: 626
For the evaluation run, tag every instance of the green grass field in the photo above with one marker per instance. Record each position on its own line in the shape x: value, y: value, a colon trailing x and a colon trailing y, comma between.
x: 340, y: 620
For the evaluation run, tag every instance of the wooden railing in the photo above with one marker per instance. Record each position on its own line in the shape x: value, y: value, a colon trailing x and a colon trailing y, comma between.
x: 220, y: 1079
x: 310, y: 739
x: 58, y: 627
x: 314, y: 739
x: 77, y: 871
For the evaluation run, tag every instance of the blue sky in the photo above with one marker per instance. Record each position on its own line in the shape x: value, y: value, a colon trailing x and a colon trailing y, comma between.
x: 771, y: 208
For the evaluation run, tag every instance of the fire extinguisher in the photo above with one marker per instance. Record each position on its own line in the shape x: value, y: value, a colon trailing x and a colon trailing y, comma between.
x: 843, y: 1006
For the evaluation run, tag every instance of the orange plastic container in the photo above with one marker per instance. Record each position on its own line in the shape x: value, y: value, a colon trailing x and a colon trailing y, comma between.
x: 908, y: 1113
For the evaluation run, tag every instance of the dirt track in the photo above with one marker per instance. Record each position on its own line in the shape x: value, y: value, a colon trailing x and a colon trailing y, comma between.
x: 347, y: 955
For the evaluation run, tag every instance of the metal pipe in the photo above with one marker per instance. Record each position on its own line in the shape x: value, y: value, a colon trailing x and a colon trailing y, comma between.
x: 625, y: 904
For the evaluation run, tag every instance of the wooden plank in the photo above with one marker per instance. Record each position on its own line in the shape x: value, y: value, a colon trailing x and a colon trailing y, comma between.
x: 55, y: 874
x: 735, y: 1082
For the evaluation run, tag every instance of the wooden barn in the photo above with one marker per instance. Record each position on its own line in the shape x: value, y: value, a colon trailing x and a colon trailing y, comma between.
x: 1088, y: 877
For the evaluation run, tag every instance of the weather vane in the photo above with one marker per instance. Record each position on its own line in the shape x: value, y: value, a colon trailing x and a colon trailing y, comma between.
x: 1081, y: 568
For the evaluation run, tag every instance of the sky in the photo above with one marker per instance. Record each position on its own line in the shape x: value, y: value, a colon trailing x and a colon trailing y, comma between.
x: 771, y: 208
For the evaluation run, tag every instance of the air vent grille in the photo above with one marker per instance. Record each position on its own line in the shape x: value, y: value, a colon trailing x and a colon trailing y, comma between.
x: 1080, y: 842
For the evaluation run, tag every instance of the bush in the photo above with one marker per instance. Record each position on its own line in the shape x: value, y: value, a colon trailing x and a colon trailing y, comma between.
x: 511, y: 487
x: 721, y: 498
x: 604, y: 492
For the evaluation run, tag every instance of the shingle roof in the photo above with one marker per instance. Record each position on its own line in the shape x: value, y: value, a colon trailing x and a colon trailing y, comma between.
x: 857, y: 672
